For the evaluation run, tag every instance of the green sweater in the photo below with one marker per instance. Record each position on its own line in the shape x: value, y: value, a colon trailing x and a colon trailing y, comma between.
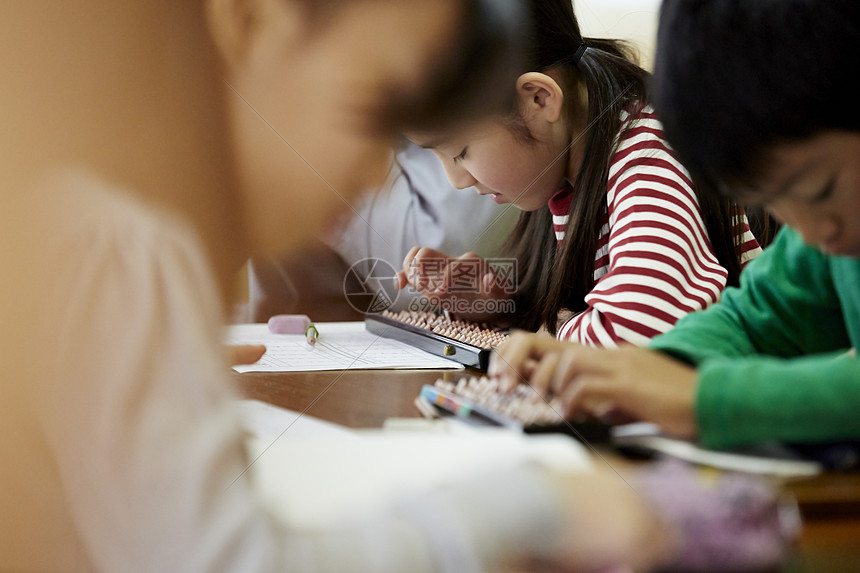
x: 768, y: 353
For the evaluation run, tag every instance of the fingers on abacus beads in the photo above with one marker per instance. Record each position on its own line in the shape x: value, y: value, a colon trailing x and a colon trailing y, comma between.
x: 523, y: 404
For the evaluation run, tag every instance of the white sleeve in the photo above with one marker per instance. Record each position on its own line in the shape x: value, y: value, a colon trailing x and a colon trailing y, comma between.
x: 418, y: 206
x: 138, y: 416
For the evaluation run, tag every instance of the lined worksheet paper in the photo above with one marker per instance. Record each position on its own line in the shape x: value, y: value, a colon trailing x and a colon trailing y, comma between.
x: 340, y: 346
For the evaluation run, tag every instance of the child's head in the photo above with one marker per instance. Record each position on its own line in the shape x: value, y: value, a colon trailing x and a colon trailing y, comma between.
x: 318, y: 90
x: 523, y: 156
x: 758, y: 98
x: 160, y: 97
x: 563, y: 128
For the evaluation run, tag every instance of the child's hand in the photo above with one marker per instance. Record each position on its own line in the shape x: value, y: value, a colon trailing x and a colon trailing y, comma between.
x: 634, y: 381
x: 611, y: 527
x: 455, y: 282
x: 239, y: 354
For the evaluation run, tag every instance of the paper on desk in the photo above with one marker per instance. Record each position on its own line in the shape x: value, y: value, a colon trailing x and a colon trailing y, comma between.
x: 315, y: 482
x: 646, y: 436
x: 340, y: 346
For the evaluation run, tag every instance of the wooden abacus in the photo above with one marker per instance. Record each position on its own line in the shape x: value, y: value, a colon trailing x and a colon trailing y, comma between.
x: 480, y: 400
x: 523, y: 405
x: 468, y: 343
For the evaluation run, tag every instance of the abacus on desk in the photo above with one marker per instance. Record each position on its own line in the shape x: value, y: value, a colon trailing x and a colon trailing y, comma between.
x: 480, y: 400
x: 468, y: 343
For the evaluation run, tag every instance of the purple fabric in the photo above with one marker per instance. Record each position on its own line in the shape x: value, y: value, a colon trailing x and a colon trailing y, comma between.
x: 725, y: 521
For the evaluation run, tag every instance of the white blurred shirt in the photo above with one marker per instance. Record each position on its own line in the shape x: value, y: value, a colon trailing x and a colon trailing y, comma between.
x: 122, y: 447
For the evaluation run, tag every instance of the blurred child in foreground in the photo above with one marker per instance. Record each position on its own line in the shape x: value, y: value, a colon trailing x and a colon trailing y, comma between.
x: 136, y: 181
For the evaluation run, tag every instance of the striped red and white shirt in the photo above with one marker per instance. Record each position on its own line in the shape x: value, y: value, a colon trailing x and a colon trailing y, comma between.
x: 654, y: 262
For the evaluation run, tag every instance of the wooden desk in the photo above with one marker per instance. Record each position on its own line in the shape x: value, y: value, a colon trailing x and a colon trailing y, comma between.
x: 365, y: 398
x: 353, y: 398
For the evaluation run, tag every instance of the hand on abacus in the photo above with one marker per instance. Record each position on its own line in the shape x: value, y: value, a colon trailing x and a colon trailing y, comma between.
x: 455, y: 282
x: 635, y: 382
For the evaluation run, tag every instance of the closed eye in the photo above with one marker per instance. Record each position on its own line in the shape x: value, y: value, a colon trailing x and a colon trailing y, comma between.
x: 461, y: 156
x: 825, y: 193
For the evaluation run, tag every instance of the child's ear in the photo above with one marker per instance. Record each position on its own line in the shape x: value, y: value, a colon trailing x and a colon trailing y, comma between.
x: 540, y: 96
x: 236, y: 24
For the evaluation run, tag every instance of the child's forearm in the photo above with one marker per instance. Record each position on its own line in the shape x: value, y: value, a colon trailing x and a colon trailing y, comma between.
x: 741, y: 401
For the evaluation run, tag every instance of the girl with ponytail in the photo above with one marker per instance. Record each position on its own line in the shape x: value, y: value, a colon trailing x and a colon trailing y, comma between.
x: 615, y: 242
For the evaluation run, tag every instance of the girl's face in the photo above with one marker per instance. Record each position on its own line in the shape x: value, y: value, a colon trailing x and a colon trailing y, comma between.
x: 815, y: 185
x: 502, y: 164
x: 307, y: 105
x: 522, y: 161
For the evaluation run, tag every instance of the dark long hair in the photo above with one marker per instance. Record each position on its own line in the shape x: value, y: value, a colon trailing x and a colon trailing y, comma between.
x: 551, y: 279
x: 468, y: 80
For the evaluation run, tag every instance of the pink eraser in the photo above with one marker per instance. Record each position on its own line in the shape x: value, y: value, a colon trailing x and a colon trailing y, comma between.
x: 289, y: 323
